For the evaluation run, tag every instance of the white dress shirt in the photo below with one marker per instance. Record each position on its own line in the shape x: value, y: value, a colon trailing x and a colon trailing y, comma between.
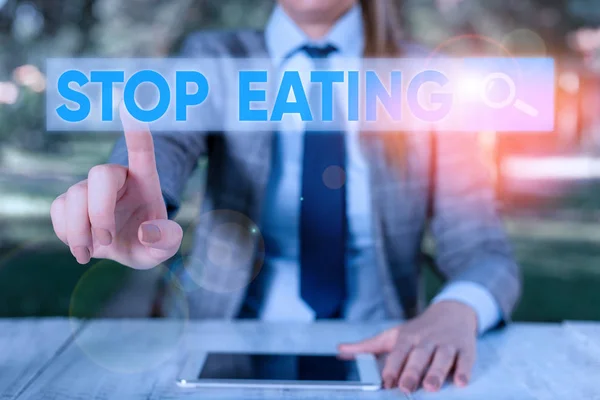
x: 275, y: 294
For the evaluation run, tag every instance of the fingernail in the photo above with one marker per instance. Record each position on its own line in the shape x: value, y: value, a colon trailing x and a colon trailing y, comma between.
x: 409, y: 384
x: 104, y: 236
x: 387, y: 383
x: 81, y: 254
x: 433, y: 382
x: 462, y: 380
x: 150, y: 233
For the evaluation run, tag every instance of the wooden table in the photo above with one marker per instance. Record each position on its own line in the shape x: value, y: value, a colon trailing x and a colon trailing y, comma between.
x: 139, y: 359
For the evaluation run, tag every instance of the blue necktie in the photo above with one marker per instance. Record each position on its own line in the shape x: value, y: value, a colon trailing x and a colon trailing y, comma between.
x: 323, y: 209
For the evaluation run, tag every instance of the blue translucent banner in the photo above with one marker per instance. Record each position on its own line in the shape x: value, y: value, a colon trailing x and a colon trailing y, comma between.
x: 467, y: 94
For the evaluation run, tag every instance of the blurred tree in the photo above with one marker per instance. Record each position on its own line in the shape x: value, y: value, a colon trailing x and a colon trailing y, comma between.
x: 524, y: 26
x: 33, y: 30
x: 156, y: 27
x: 139, y: 28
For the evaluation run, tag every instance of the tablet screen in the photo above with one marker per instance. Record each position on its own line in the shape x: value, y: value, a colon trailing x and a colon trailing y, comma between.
x: 288, y: 367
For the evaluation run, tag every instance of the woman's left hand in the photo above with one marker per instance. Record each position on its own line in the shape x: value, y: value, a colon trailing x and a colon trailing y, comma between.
x: 427, y: 349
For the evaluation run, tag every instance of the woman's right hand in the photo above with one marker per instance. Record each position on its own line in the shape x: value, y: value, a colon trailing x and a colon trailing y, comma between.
x: 119, y: 213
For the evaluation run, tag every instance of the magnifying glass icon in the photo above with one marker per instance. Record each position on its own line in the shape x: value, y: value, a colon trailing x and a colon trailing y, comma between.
x: 505, y: 100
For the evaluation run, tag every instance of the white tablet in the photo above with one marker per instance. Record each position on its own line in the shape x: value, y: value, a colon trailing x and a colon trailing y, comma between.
x: 280, y: 371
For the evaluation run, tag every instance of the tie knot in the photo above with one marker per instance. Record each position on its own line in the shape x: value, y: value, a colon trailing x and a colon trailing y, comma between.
x: 319, y: 51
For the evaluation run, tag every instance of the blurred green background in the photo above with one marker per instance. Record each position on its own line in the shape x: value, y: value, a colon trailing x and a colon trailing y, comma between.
x: 553, y: 220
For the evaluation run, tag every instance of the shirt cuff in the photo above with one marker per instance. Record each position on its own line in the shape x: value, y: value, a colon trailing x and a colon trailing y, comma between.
x: 478, y: 298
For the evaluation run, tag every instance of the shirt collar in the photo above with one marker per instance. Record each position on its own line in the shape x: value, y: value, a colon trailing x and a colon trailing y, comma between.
x: 283, y: 36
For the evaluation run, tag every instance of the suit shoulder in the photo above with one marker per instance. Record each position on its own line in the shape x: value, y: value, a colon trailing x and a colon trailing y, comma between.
x: 224, y: 43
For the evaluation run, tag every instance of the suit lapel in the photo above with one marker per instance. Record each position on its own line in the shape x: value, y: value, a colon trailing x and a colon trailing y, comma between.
x: 241, y: 173
x: 254, y: 149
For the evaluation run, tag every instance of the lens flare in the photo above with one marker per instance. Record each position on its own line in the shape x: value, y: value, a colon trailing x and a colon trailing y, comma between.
x: 469, y: 88
x: 447, y: 44
x: 130, y: 347
x: 525, y: 42
x: 228, y: 251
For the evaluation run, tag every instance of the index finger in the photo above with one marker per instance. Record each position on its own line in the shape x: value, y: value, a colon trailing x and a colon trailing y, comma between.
x: 140, y: 146
x: 377, y: 344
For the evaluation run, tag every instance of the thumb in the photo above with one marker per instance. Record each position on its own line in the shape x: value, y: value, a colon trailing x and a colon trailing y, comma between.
x: 379, y: 344
x: 162, y: 235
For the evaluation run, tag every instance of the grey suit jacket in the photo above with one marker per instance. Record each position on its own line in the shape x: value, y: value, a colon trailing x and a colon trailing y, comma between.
x: 447, y: 189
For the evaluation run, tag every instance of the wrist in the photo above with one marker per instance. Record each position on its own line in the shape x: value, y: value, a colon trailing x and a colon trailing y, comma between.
x: 460, y: 312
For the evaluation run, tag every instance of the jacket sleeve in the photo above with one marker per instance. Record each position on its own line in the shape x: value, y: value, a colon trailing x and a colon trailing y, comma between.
x: 470, y: 240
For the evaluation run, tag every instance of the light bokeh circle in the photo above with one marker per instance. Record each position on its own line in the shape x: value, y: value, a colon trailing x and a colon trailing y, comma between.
x: 525, y: 41
x: 334, y: 177
x: 226, y: 253
x: 126, y: 345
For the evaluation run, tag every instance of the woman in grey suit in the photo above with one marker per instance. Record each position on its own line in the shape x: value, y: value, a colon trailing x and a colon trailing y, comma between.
x: 341, y: 215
